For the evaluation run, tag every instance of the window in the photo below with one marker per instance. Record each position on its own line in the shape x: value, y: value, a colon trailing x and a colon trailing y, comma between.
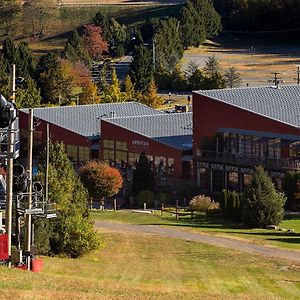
x: 121, y: 145
x: 121, y: 156
x: 109, y: 144
x: 170, y: 165
x: 72, y: 152
x: 84, y: 153
x: 108, y: 154
x: 133, y: 158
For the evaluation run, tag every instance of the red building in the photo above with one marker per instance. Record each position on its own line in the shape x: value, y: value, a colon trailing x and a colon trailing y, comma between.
x: 166, y: 139
x: 78, y: 127
x: 238, y: 129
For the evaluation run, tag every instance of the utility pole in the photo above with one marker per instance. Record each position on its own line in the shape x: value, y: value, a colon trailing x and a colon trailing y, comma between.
x: 298, y: 74
x: 10, y: 165
x: 29, y: 174
x: 276, y: 79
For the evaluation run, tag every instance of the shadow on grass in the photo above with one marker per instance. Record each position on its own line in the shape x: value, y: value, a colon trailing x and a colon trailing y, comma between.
x: 273, y: 233
x: 287, y: 240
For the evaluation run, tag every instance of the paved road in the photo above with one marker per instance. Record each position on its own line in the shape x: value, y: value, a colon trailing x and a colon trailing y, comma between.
x: 202, y: 238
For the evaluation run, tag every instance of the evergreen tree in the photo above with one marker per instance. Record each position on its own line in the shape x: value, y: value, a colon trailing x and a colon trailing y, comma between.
x: 101, y: 20
x: 141, y: 68
x: 212, y: 66
x: 28, y: 95
x: 25, y: 62
x: 262, y: 204
x: 192, y: 26
x: 10, y: 53
x: 55, y: 84
x: 72, y: 232
x: 143, y: 178
x: 195, y: 80
x: 232, y: 78
x: 75, y: 50
x: 168, y: 45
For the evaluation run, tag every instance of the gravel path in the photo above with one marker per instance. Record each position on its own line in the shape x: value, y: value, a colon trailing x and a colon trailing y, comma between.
x: 202, y: 238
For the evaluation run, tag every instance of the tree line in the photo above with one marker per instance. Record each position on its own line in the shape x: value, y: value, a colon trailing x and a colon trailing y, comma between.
x: 259, y: 15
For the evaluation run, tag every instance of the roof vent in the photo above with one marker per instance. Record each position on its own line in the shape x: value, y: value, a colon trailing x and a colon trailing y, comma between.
x: 112, y: 114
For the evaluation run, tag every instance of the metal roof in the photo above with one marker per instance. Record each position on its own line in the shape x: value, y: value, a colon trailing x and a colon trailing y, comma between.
x: 279, y: 103
x: 85, y: 119
x: 172, y: 129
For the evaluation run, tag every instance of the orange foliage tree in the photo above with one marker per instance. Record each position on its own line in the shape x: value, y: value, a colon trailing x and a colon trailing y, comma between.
x: 94, y: 42
x: 100, y: 179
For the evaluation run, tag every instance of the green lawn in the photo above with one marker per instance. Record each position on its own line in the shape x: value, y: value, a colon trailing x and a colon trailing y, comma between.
x: 214, y: 225
x: 140, y: 266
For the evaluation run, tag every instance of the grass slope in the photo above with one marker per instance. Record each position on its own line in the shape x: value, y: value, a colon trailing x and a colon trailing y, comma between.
x: 133, y: 266
x: 214, y: 225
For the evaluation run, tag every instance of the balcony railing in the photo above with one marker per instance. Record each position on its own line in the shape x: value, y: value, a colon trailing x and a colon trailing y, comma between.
x: 249, y: 160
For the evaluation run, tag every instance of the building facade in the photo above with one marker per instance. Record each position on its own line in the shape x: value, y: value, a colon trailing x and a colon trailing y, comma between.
x: 166, y: 139
x: 238, y: 129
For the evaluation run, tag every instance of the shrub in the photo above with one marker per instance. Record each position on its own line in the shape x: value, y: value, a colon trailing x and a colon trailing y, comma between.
x: 145, y: 197
x: 200, y: 203
x: 213, y: 209
x: 230, y: 205
x: 262, y: 204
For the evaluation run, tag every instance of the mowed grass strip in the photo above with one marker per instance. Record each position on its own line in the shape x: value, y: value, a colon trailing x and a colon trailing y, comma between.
x: 137, y: 266
x: 213, y: 226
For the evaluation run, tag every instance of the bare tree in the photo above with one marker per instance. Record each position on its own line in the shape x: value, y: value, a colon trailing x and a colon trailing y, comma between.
x: 9, y: 13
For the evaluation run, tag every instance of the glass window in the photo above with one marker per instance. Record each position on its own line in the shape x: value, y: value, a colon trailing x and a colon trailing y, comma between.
x: 84, y: 153
x: 121, y: 145
x: 121, y: 155
x: 133, y: 158
x: 108, y: 154
x: 109, y: 144
x: 170, y: 165
x: 72, y: 152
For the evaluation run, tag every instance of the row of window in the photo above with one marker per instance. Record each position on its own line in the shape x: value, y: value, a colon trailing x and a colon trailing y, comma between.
x: 111, y: 144
x: 78, y: 153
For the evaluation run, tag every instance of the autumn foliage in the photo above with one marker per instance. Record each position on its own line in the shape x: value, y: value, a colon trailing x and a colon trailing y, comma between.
x: 100, y: 179
x: 94, y: 42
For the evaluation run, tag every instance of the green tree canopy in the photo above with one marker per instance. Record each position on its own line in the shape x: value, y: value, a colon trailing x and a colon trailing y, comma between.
x: 262, y: 204
x: 143, y: 178
x: 141, y: 68
x: 72, y: 231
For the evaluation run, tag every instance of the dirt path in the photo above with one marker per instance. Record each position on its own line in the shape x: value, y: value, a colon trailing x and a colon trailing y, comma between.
x: 202, y: 238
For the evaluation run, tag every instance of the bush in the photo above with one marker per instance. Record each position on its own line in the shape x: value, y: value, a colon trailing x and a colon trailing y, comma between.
x: 262, y: 204
x: 230, y: 205
x: 145, y: 197
x: 200, y: 203
x: 213, y: 209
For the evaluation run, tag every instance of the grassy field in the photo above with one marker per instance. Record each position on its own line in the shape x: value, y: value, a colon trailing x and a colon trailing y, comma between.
x: 255, y: 58
x: 214, y: 225
x: 134, y: 266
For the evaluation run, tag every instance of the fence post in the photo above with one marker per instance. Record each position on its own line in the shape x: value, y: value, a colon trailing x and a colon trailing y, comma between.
x: 115, y: 204
x: 162, y: 209
x: 176, y: 209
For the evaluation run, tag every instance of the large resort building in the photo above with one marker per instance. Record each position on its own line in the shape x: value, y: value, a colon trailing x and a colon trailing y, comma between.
x: 238, y: 129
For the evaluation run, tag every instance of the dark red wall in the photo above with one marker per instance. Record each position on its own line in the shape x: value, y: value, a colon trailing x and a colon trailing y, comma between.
x: 113, y: 132
x: 58, y: 134
x: 209, y: 115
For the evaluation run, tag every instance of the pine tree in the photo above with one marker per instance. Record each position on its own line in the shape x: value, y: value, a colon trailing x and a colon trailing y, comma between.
x: 28, y: 95
x: 141, y: 68
x: 25, y: 62
x: 143, y: 178
x: 72, y: 231
x: 10, y: 53
x: 262, y: 204
x: 232, y: 78
x: 75, y: 50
